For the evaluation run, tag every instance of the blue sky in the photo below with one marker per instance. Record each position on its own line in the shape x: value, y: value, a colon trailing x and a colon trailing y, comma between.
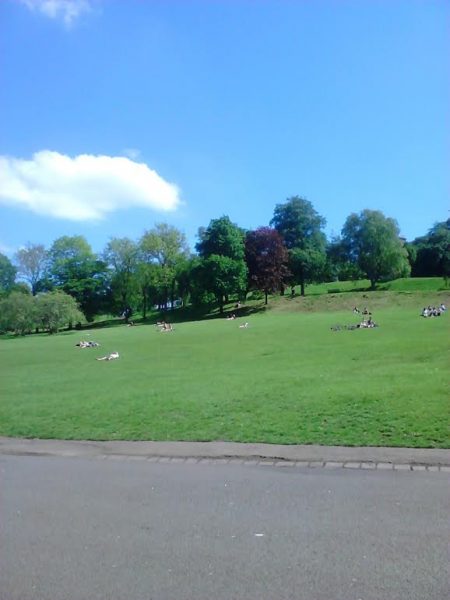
x: 116, y: 115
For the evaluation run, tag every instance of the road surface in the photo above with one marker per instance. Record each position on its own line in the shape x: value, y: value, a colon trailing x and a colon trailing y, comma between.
x: 132, y: 529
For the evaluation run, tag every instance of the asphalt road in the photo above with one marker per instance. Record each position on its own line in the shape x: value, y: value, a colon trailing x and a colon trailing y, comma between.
x: 92, y: 529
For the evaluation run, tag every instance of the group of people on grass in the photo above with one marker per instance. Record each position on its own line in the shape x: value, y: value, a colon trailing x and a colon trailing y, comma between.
x: 432, y: 311
x: 367, y: 321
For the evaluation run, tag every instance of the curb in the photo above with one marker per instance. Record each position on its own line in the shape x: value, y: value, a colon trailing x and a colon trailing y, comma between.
x: 328, y: 457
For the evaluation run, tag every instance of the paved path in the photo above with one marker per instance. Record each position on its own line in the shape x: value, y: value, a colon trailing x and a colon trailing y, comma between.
x: 87, y: 529
x: 315, y: 456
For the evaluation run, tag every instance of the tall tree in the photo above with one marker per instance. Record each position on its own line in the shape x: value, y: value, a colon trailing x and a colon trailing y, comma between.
x: 301, y: 228
x: 223, y: 269
x: 372, y: 241
x: 431, y: 252
x: 266, y: 257
x: 32, y: 264
x: 165, y: 246
x: 74, y: 269
x: 121, y: 254
x: 7, y: 275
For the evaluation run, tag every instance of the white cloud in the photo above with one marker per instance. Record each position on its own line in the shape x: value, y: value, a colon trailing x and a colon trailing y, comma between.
x: 66, y: 10
x: 83, y: 188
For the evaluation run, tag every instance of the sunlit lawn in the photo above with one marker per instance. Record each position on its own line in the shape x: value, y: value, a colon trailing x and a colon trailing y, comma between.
x: 288, y: 378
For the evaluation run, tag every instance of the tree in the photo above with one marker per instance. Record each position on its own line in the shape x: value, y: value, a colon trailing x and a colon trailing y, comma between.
x: 166, y: 247
x: 373, y: 243
x: 18, y: 313
x: 223, y: 270
x: 431, y: 253
x: 266, y: 258
x: 339, y: 265
x: 7, y: 275
x: 122, y: 255
x: 32, y: 263
x: 74, y: 269
x: 301, y: 228
x: 57, y: 309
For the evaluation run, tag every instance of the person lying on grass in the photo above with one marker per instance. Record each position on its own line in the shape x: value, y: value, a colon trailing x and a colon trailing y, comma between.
x: 84, y: 344
x: 111, y: 356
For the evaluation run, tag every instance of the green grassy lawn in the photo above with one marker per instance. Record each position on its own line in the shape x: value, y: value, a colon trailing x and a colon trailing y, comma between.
x: 288, y: 378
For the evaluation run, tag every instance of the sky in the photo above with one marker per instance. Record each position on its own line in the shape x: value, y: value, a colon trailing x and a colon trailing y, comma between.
x: 116, y: 115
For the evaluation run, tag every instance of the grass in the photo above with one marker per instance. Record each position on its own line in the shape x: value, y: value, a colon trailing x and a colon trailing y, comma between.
x: 288, y: 378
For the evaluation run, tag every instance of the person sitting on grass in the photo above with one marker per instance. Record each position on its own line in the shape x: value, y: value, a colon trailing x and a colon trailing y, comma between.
x: 166, y: 327
x: 111, y: 356
x: 231, y: 317
x: 243, y: 326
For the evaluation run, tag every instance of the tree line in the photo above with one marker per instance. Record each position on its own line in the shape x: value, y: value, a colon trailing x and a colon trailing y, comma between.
x: 228, y: 262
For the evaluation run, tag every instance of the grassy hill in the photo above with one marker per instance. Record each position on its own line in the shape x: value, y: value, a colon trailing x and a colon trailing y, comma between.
x: 287, y: 378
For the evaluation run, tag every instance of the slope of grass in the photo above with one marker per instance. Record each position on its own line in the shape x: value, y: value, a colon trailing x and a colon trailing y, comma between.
x: 288, y: 378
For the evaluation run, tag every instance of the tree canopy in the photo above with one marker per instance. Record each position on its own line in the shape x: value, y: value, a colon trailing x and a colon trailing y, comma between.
x: 223, y: 270
x: 266, y: 257
x: 32, y: 264
x: 372, y: 242
x: 300, y: 225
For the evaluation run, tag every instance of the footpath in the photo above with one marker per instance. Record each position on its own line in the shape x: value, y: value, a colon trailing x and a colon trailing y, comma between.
x: 358, y: 457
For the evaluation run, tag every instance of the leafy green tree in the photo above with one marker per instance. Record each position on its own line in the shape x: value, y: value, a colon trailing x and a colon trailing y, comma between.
x: 223, y: 270
x: 147, y: 281
x: 55, y: 310
x: 301, y: 228
x: 75, y: 269
x: 18, y: 313
x: 339, y: 266
x: 373, y: 243
x: 222, y: 275
x: 31, y: 265
x: 7, y: 275
x: 432, y: 252
x: 266, y: 257
x: 166, y: 247
x: 121, y: 254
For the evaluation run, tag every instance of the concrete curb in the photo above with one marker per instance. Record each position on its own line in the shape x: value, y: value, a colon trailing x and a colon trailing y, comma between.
x: 416, y: 459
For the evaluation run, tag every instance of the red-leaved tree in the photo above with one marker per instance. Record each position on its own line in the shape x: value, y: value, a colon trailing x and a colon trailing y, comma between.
x: 266, y: 258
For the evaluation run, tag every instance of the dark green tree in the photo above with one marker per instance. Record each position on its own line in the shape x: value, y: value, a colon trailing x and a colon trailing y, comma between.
x: 301, y: 228
x: 223, y: 270
x: 373, y: 243
x: 7, y: 275
x: 432, y: 252
x: 74, y: 269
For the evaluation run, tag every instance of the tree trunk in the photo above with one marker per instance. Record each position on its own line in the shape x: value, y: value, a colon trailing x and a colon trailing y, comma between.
x: 302, y: 287
x: 265, y: 292
x: 144, y: 303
